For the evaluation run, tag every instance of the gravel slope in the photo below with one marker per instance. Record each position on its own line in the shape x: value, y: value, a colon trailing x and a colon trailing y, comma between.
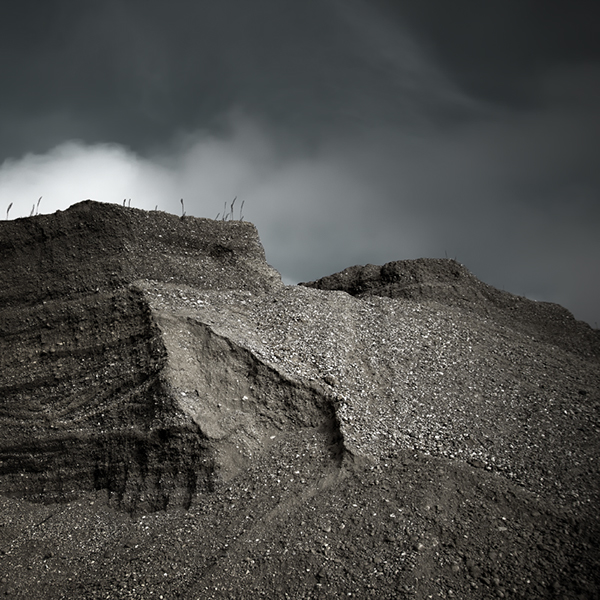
x: 402, y: 431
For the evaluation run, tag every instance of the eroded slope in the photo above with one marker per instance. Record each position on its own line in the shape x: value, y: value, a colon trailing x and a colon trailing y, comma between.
x: 86, y: 398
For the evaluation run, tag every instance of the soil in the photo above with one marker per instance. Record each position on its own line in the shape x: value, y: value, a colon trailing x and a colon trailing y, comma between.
x: 177, y: 423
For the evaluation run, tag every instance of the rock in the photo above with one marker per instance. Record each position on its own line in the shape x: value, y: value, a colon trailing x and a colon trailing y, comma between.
x: 330, y: 380
x: 475, y: 572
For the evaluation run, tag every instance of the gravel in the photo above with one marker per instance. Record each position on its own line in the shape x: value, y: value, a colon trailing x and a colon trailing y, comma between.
x: 177, y: 423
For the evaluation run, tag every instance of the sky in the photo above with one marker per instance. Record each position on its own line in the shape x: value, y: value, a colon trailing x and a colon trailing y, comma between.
x: 354, y: 131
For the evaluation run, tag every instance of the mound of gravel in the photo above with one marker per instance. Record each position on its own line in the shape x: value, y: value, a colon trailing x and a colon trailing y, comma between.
x: 176, y: 422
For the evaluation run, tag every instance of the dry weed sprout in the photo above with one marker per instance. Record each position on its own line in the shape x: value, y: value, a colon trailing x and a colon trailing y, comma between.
x: 229, y: 214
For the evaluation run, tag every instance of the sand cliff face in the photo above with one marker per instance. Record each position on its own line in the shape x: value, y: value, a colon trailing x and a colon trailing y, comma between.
x: 85, y: 400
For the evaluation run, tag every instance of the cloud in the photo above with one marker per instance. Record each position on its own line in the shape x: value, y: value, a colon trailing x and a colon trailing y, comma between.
x: 291, y: 193
x: 73, y: 171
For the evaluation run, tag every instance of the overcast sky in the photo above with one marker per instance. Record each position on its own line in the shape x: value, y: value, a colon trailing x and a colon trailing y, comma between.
x: 355, y: 132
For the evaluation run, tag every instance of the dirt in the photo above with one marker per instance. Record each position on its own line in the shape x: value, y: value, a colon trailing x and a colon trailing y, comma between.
x: 177, y: 423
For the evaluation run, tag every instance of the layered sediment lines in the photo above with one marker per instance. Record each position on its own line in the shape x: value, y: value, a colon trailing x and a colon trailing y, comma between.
x: 88, y: 399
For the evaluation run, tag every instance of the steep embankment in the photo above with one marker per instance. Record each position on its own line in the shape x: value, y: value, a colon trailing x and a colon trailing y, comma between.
x: 88, y: 375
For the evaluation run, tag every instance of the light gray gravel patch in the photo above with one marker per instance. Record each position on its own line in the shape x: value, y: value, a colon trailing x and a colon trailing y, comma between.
x: 420, y: 375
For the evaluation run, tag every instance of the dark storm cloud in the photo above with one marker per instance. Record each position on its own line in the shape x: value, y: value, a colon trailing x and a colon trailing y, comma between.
x: 134, y: 72
x: 497, y: 49
x: 355, y: 132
